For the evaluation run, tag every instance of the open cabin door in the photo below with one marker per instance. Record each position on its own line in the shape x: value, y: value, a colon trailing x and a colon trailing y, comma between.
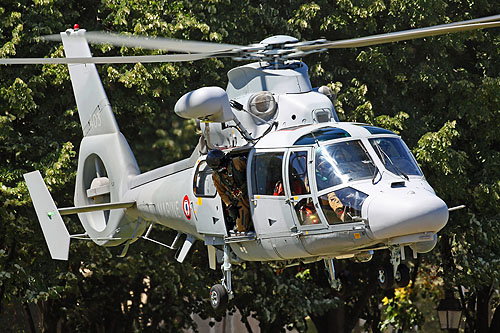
x: 268, y: 202
x: 207, y: 206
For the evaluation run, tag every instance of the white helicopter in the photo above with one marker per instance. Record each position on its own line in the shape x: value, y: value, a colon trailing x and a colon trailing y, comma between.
x: 290, y: 135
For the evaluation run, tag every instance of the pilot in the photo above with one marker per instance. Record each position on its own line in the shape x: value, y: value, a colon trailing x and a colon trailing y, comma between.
x: 230, y: 181
x: 336, y: 205
x: 325, y: 176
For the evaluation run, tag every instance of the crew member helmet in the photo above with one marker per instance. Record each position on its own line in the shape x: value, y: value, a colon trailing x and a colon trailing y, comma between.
x: 215, y: 159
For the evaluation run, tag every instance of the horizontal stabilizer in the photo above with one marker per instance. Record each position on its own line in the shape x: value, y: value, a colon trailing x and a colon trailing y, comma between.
x: 96, y: 207
x: 55, y: 232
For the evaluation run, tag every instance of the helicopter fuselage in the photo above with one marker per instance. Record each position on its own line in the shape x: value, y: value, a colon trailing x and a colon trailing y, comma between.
x: 383, y: 195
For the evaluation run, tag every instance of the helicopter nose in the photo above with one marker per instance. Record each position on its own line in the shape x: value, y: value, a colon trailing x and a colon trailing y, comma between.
x: 406, y: 211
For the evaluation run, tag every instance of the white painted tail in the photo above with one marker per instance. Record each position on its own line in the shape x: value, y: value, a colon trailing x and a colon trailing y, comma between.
x: 104, y: 153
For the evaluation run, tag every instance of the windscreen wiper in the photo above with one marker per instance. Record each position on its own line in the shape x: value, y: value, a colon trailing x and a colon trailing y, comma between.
x: 383, y: 155
x: 376, y: 171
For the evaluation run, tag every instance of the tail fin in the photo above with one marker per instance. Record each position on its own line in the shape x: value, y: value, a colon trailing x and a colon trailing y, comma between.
x: 94, y: 109
x: 105, y: 162
x: 54, y: 230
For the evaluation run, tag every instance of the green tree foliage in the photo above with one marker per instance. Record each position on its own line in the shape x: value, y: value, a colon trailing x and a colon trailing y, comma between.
x: 441, y: 94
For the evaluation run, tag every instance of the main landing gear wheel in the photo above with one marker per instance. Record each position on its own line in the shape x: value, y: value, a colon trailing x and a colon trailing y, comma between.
x: 402, y: 276
x: 385, y: 277
x: 221, y: 293
x: 218, y: 297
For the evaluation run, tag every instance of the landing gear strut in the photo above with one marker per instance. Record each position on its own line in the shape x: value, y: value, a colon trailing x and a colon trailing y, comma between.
x: 334, y: 281
x: 395, y: 272
x: 221, y: 293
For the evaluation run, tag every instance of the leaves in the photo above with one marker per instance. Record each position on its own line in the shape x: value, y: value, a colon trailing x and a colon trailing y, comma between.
x: 400, y: 312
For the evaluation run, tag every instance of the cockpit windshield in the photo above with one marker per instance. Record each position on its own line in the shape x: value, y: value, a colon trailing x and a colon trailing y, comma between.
x: 395, y: 156
x: 342, y: 162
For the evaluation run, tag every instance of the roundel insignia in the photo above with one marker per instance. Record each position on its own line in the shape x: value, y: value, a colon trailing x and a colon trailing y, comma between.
x: 186, y: 207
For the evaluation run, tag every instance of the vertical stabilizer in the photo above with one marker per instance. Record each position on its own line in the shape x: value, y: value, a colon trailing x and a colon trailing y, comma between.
x: 94, y: 109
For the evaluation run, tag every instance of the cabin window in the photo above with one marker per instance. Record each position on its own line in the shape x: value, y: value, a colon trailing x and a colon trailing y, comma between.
x: 203, y: 185
x: 267, y: 173
x: 297, y: 173
x: 306, y: 212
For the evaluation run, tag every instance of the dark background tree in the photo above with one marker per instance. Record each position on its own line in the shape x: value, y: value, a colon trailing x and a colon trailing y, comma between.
x: 442, y: 94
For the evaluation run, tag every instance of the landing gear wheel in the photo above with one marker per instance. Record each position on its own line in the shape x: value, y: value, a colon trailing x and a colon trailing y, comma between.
x: 218, y: 297
x: 385, y: 277
x: 402, y: 276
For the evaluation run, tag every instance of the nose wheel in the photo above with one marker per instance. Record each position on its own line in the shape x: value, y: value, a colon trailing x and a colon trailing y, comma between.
x: 402, y: 277
x: 385, y: 277
x: 394, y: 273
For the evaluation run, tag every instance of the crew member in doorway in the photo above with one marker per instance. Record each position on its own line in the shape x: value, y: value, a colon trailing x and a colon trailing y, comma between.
x: 230, y: 181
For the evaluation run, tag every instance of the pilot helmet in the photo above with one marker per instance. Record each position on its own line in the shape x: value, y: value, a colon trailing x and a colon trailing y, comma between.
x: 216, y: 159
x: 323, y: 169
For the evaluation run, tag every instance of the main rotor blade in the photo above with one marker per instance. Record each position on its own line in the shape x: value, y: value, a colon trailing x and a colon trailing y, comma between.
x: 477, y: 20
x: 152, y: 43
x: 111, y: 60
x: 400, y: 36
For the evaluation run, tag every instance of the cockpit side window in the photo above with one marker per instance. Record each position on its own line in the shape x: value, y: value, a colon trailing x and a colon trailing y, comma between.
x: 267, y: 173
x: 297, y: 173
x: 395, y: 156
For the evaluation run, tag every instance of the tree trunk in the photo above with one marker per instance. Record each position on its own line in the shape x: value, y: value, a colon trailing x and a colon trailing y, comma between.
x: 29, y: 317
x: 483, y: 310
x: 472, y: 320
x: 495, y: 322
